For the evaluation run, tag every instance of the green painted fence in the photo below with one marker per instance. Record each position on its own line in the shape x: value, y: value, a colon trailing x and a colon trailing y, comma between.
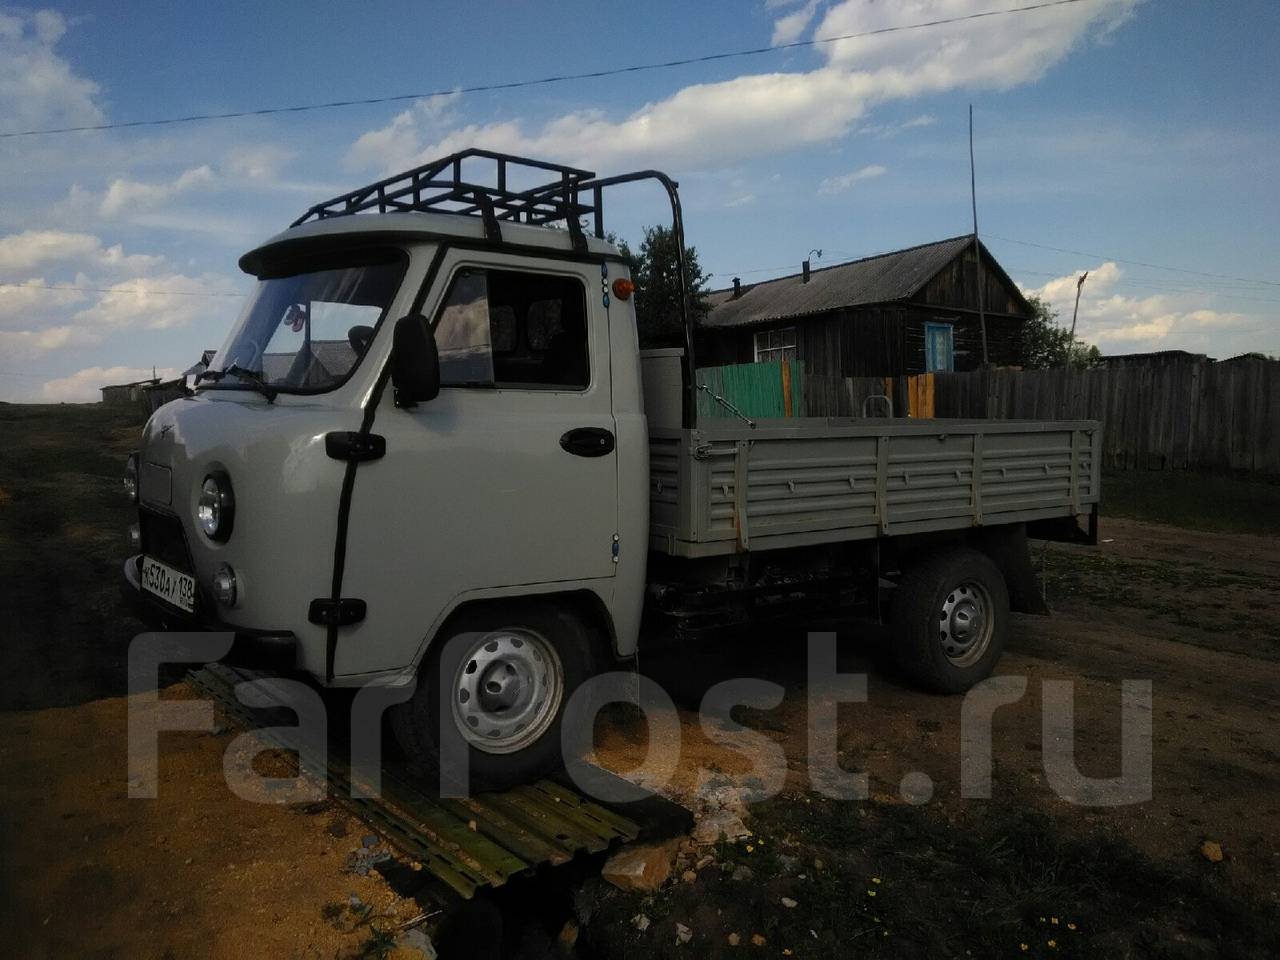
x: 759, y: 390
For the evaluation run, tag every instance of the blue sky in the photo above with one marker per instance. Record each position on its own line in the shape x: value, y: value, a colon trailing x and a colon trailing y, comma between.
x: 1126, y: 130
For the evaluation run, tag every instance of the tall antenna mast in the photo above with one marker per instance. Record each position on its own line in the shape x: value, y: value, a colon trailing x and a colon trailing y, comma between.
x: 977, y: 248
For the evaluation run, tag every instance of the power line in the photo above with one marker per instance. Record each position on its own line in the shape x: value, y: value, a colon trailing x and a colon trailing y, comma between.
x: 1136, y: 263
x: 134, y: 290
x: 543, y: 81
x: 1149, y: 286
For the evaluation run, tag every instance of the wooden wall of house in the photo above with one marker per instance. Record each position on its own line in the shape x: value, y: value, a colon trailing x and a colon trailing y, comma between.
x: 955, y: 286
x: 1004, y: 338
x: 875, y: 341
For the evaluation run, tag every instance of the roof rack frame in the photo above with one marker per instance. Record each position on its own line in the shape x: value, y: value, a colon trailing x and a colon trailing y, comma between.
x: 573, y: 194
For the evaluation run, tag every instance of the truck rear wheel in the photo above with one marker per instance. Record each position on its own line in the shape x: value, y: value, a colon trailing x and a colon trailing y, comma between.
x: 507, y: 673
x: 950, y: 615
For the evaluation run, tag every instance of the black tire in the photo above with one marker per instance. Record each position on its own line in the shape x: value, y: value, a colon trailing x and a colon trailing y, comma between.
x: 921, y: 627
x: 417, y: 722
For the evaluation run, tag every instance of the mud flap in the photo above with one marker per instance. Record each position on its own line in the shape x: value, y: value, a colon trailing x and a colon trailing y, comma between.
x: 1007, y: 547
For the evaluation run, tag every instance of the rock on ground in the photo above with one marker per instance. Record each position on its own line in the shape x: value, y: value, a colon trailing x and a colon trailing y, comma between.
x: 644, y: 868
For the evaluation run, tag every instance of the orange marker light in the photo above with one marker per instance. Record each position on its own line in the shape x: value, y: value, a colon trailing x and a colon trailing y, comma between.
x: 623, y: 288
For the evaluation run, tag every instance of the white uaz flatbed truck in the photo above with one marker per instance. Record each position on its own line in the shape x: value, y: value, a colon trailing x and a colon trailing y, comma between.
x: 430, y: 422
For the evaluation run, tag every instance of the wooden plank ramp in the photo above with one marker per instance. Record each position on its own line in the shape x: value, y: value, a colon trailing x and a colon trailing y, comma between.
x: 473, y: 844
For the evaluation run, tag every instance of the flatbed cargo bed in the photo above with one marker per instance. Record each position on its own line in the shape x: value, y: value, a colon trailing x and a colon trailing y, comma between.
x: 726, y: 486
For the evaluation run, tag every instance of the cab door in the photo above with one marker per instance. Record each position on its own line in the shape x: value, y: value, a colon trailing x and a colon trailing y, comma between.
x: 508, y: 478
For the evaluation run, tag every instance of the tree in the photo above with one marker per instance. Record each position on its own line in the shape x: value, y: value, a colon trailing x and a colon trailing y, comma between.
x: 657, y: 296
x: 1045, y: 344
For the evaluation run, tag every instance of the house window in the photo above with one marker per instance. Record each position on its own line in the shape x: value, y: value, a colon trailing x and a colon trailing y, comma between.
x: 509, y: 329
x: 939, y: 348
x: 776, y: 345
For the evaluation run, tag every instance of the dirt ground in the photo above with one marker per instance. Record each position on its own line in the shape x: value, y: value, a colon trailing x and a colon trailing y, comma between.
x: 195, y: 872
x: 85, y: 871
x: 1197, y: 614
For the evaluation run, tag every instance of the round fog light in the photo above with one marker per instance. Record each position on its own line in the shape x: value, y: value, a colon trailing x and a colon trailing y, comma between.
x: 224, y: 586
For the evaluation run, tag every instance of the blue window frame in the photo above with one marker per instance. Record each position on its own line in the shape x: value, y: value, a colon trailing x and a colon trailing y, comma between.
x: 939, y: 348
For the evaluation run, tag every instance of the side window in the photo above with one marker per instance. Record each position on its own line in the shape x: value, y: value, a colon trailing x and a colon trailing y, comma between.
x: 462, y: 332
x: 506, y: 328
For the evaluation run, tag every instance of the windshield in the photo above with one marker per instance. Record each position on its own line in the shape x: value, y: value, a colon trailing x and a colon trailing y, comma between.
x: 305, y: 332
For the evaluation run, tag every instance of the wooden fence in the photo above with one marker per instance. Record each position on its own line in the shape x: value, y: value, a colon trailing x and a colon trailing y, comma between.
x: 1192, y: 415
x: 1216, y: 416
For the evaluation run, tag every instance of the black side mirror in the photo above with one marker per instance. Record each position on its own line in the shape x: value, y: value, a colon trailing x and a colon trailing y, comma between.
x: 415, y: 362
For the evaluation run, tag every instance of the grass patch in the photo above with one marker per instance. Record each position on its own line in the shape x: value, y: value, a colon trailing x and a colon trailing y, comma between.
x: 63, y: 523
x: 1223, y: 607
x: 1197, y: 501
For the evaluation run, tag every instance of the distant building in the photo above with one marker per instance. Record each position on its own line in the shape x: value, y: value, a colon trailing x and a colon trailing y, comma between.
x: 121, y: 393
x: 905, y: 312
x: 1155, y: 358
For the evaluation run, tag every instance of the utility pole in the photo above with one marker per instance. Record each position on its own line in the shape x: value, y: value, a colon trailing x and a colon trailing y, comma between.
x: 977, y: 247
x: 1079, y: 284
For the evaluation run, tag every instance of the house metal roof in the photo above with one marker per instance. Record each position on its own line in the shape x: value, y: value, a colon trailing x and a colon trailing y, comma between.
x: 880, y: 279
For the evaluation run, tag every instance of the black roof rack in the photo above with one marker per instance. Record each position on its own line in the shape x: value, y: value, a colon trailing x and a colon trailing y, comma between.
x: 441, y: 187
x: 569, y: 197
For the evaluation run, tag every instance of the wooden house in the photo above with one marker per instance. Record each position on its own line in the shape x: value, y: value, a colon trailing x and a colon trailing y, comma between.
x: 906, y: 312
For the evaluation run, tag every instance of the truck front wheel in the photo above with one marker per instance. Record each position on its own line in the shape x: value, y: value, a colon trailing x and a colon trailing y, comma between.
x: 950, y: 615
x: 494, y: 686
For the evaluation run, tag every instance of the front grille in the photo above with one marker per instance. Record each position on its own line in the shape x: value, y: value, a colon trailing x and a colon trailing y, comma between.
x: 164, y: 539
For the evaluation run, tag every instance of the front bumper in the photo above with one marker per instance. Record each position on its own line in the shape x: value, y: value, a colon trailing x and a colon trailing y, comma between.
x: 257, y: 649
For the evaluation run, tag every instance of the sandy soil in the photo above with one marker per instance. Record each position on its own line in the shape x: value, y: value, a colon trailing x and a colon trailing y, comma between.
x: 194, y: 873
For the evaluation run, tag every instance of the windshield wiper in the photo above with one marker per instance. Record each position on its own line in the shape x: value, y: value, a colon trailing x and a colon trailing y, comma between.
x: 256, y: 379
x: 250, y: 378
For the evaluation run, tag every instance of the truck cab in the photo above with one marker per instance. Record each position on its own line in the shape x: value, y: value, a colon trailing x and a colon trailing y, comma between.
x: 423, y: 420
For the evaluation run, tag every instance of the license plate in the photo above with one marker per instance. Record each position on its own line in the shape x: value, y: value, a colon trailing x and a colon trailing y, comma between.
x: 169, y: 584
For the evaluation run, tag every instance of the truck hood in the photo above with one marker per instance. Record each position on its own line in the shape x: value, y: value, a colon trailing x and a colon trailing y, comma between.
x: 286, y: 492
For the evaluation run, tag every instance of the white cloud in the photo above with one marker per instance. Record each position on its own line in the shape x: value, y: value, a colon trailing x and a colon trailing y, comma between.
x: 157, y: 302
x: 130, y: 195
x: 1120, y: 323
x: 29, y: 343
x: 845, y: 181
x: 38, y: 88
x: 25, y: 305
x: 386, y: 147
x: 31, y: 249
x: 717, y: 124
x: 256, y: 162
x: 790, y: 27
x: 84, y: 386
x: 743, y: 200
x: 884, y: 131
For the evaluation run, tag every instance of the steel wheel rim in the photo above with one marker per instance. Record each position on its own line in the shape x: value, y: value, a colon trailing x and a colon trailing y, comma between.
x: 965, y: 624
x: 507, y: 690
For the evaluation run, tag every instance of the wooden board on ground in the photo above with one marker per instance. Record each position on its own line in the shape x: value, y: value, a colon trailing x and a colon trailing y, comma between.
x: 470, y: 844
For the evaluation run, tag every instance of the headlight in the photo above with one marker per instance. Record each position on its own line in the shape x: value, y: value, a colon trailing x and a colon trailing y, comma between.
x: 131, y: 477
x: 216, y: 508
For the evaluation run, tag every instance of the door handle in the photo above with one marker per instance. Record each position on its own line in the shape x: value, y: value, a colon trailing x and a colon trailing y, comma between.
x: 588, y: 442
